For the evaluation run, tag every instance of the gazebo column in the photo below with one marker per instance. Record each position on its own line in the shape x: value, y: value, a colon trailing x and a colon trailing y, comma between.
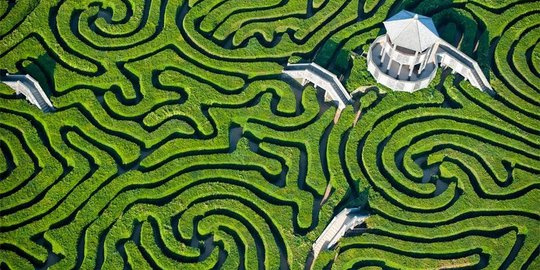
x: 424, y: 63
x: 413, y: 64
x: 389, y: 64
x: 390, y: 53
x: 383, y: 52
x: 433, y: 52
x: 399, y: 70
x: 383, y: 45
x: 431, y: 55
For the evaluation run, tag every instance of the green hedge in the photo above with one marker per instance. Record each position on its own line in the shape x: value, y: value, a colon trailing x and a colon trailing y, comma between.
x: 141, y: 161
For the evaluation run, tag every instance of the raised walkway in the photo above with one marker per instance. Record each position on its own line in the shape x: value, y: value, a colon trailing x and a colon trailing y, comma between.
x: 450, y: 56
x: 346, y: 220
x: 30, y: 88
x: 323, y: 78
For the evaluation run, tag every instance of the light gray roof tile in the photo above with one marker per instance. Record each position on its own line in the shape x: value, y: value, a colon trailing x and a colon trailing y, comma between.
x: 411, y: 31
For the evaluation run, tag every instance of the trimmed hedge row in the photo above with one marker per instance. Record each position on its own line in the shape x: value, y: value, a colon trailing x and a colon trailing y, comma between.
x: 302, y: 28
x: 470, y: 163
x: 507, y: 70
x: 344, y: 24
x: 395, y: 253
x: 486, y: 225
x: 177, y: 143
x: 93, y: 235
x: 504, y: 26
x: 24, y: 165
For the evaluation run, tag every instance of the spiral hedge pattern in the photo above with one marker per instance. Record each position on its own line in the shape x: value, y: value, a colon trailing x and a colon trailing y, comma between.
x: 178, y: 144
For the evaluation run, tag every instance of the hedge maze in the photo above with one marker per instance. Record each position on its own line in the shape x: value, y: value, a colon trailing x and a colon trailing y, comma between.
x: 178, y: 144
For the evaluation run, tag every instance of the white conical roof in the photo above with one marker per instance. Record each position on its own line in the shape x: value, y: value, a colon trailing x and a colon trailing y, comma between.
x: 412, y: 31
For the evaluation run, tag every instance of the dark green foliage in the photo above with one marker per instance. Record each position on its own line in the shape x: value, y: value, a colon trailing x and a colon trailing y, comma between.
x: 359, y: 76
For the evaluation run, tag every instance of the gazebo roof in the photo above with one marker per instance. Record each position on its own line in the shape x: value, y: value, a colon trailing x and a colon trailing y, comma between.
x: 412, y: 31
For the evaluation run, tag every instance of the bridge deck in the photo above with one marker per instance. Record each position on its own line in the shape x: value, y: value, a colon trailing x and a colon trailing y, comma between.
x: 323, y: 78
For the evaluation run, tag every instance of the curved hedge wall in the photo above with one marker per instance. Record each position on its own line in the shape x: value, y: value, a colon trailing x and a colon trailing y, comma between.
x: 177, y: 144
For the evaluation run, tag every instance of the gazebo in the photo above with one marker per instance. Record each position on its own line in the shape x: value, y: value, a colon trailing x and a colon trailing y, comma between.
x: 407, y: 56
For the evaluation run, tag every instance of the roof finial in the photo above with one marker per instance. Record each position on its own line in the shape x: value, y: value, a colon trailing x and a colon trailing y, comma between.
x: 416, y: 16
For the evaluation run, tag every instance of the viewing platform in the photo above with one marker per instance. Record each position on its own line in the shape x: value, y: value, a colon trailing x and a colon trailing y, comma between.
x: 391, y: 74
x: 406, y: 58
